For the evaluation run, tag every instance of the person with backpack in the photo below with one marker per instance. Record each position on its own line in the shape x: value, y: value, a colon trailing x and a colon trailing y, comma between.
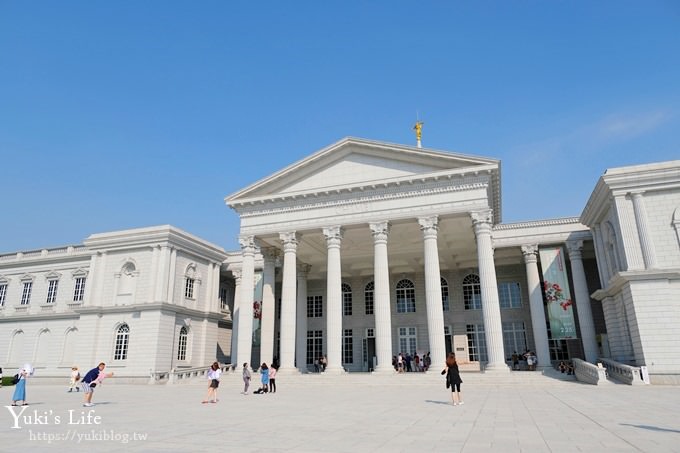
x: 20, y: 382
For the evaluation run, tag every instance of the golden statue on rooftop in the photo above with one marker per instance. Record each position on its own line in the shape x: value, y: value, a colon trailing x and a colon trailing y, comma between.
x: 419, y: 130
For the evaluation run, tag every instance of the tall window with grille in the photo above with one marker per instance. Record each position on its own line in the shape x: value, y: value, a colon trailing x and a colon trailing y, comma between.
x: 314, y: 345
x: 510, y: 295
x: 314, y: 306
x: 52, y: 291
x: 406, y: 296
x: 476, y: 343
x: 122, y: 342
x: 368, y: 297
x: 26, y: 293
x: 472, y: 292
x: 182, y: 344
x: 79, y: 289
x: 189, y: 288
x: 3, y: 293
x: 223, y: 298
x: 408, y: 340
x: 347, y: 347
x: 445, y: 294
x: 514, y: 337
x: 346, y: 300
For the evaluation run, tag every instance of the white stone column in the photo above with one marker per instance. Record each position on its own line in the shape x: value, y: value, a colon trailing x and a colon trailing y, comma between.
x: 491, y: 310
x: 208, y: 285
x: 216, y: 289
x: 245, y: 314
x: 234, y: 318
x: 268, y: 306
x: 301, y: 327
x: 382, y: 306
x: 582, y: 296
x: 646, y: 243
x: 433, y: 293
x: 334, y: 300
x: 162, y: 280
x: 288, y: 301
x: 538, y: 322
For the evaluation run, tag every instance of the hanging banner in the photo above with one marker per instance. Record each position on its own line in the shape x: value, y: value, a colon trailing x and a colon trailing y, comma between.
x: 556, y: 293
x: 257, y: 309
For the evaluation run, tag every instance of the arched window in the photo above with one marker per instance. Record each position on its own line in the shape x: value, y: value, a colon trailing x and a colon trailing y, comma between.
x: 346, y: 299
x: 406, y: 296
x: 127, y: 278
x: 182, y: 345
x: 445, y: 293
x: 368, y: 297
x: 42, y: 350
x: 472, y: 292
x: 120, y: 350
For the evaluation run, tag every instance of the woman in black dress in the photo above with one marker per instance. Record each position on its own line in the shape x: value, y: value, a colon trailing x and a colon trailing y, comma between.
x: 453, y: 379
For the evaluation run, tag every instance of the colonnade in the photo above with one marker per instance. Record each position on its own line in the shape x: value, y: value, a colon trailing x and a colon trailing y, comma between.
x: 293, y: 316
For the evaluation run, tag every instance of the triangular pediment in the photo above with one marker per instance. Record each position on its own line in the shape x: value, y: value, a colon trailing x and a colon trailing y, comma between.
x: 355, y: 162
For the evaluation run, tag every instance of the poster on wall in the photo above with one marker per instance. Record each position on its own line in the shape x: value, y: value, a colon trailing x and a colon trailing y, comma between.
x: 557, y: 293
x: 257, y: 309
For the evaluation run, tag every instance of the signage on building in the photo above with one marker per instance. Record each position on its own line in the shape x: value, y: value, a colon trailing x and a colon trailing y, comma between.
x: 557, y: 294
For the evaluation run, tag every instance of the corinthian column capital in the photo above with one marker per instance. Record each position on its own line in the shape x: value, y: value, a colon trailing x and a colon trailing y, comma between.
x: 482, y: 220
x: 333, y: 236
x: 429, y: 226
x: 529, y: 251
x: 575, y: 248
x: 289, y: 240
x: 269, y: 254
x: 303, y: 269
x: 380, y: 230
x: 247, y: 244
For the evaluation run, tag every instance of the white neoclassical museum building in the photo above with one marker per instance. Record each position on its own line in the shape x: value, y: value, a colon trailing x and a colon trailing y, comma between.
x: 358, y: 252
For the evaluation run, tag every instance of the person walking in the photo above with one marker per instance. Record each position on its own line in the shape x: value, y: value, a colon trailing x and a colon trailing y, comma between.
x: 73, y: 380
x: 272, y: 379
x: 20, y: 388
x: 453, y: 379
x: 246, y: 378
x: 89, y: 382
x: 214, y: 374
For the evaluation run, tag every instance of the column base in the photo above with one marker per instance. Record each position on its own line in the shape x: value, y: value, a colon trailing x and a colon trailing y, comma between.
x: 497, y: 368
x: 292, y: 371
x: 383, y: 370
x: 334, y: 370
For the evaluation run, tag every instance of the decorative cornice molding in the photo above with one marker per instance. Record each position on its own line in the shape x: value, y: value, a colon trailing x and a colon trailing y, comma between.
x: 537, y: 223
x: 294, y: 205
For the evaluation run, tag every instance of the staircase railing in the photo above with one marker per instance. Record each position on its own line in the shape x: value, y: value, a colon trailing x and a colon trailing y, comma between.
x: 183, y: 375
x: 626, y: 374
x: 589, y: 373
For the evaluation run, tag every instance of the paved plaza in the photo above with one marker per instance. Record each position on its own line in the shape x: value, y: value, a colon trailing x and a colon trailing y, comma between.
x: 351, y: 414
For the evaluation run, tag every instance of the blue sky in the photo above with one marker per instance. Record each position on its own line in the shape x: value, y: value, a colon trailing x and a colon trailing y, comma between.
x: 126, y: 114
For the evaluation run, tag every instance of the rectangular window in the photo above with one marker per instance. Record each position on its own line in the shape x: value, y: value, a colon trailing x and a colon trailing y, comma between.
x: 314, y: 345
x: 407, y: 340
x: 52, y: 291
x: 314, y: 306
x: 477, y: 343
x: 558, y: 349
x: 26, y: 293
x: 510, y: 295
x: 3, y: 294
x: 79, y: 291
x: 223, y: 298
x: 445, y: 298
x: 514, y: 338
x: 368, y: 296
x: 189, y: 288
x: 347, y: 304
x: 347, y: 347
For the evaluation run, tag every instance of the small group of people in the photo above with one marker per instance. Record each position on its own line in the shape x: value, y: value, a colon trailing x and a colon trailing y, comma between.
x: 320, y: 364
x: 93, y: 378
x: 267, y: 379
x: 566, y: 367
x: 529, y: 357
x: 407, y: 363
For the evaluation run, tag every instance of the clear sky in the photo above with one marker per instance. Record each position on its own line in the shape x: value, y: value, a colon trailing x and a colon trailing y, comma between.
x: 127, y: 114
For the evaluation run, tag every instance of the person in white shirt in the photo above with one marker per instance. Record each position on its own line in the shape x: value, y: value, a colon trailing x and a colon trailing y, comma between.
x: 214, y: 378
